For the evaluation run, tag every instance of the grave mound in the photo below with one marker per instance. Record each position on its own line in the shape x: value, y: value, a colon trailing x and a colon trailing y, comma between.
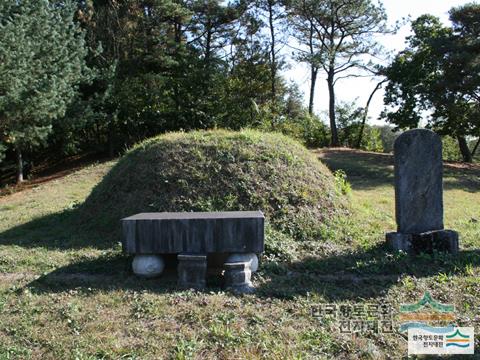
x: 220, y: 171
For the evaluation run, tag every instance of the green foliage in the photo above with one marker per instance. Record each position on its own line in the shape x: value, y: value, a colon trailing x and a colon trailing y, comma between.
x: 315, y: 132
x: 439, y: 71
x: 3, y: 148
x: 309, y: 130
x: 372, y: 140
x: 244, y: 101
x: 387, y: 136
x: 350, y: 119
x: 450, y: 149
x: 220, y: 171
x: 341, y: 182
x: 339, y: 36
x: 163, y: 66
x: 42, y: 62
x: 279, y: 247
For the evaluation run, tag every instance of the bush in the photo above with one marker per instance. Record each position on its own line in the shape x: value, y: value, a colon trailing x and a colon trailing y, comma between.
x: 3, y: 149
x: 349, y: 120
x: 309, y: 130
x: 343, y: 186
x: 371, y: 139
x: 315, y: 132
x: 388, y: 136
x: 450, y: 149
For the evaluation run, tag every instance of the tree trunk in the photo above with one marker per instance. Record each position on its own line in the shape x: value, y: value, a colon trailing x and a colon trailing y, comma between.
x: 19, y: 166
x: 111, y: 147
x: 273, y: 65
x: 331, y: 109
x: 362, y: 128
x: 365, y: 114
x: 208, y: 47
x: 111, y: 136
x: 466, y: 154
x: 313, y: 80
x: 206, y: 86
x: 314, y: 72
x: 176, y: 87
x: 474, y: 150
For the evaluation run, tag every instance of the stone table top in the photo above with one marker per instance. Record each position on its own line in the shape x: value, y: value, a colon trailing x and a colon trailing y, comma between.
x: 196, y: 215
x: 194, y: 232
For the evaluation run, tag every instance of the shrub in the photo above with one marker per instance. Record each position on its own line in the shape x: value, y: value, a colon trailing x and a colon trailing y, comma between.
x: 309, y: 130
x: 450, y: 149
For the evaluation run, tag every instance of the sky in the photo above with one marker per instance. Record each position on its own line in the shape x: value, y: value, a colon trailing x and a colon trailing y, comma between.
x: 358, y: 89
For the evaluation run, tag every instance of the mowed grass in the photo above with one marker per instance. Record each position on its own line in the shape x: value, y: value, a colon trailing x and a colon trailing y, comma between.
x: 36, y: 235
x: 372, y: 179
x: 61, y: 296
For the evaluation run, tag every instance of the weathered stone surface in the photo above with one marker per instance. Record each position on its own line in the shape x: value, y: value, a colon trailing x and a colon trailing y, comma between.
x: 192, y: 271
x: 426, y: 242
x: 148, y: 266
x: 436, y: 240
x: 198, y: 232
x: 251, y: 258
x: 237, y: 277
x: 419, y: 195
x: 399, y: 242
x: 418, y: 181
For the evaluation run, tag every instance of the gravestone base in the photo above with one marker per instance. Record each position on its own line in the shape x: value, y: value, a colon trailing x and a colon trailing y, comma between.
x: 192, y: 271
x: 426, y: 242
x: 237, y: 277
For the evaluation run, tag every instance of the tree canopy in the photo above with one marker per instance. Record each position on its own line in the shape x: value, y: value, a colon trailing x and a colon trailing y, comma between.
x: 101, y: 75
x: 340, y: 36
x: 439, y: 73
x: 41, y: 63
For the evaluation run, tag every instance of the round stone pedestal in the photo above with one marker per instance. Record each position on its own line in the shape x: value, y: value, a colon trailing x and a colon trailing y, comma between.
x: 148, y: 266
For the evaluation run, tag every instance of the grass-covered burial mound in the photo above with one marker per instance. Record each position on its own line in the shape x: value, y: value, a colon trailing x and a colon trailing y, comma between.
x: 220, y: 170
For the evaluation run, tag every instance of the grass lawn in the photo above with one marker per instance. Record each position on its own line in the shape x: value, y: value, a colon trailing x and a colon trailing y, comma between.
x: 64, y: 296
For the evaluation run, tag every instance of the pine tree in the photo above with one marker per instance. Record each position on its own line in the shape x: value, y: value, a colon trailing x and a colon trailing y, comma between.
x: 340, y: 38
x: 42, y: 55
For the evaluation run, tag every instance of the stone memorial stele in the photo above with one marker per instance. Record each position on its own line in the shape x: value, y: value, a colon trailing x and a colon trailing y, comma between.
x: 419, y: 195
x: 239, y: 235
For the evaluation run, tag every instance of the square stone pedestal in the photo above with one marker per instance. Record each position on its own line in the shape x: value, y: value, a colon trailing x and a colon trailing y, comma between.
x: 426, y: 242
x: 192, y: 271
x: 237, y: 277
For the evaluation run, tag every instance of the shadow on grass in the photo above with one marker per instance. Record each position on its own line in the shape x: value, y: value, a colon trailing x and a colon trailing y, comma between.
x: 60, y: 231
x: 367, y: 170
x: 110, y: 273
x: 364, y: 170
x: 105, y: 273
x: 366, y: 274
x: 352, y: 276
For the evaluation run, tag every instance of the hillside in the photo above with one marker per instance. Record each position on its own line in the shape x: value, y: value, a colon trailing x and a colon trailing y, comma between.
x: 62, y: 296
